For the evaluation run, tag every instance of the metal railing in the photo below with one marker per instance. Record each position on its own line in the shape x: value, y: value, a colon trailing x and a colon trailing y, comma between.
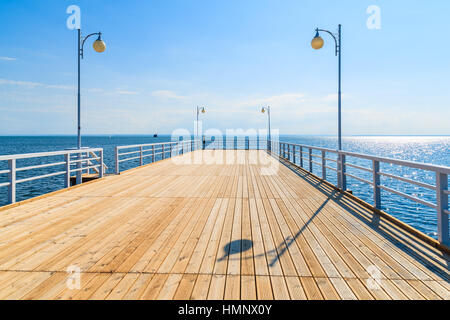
x: 235, y: 143
x: 163, y: 149
x: 338, y: 162
x: 72, y: 161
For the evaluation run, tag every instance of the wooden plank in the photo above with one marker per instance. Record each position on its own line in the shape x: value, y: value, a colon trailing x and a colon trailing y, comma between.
x: 201, y: 287
x: 185, y: 287
x: 295, y: 288
x: 138, y: 287
x: 170, y: 287
x: 248, y: 287
x: 154, y: 287
x: 123, y: 286
x: 107, y: 287
x: 233, y: 287
x: 312, y: 291
x: 327, y: 289
x: 264, y: 288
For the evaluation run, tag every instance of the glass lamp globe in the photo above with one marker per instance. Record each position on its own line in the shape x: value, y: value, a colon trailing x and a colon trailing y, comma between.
x: 317, y: 42
x: 99, y: 45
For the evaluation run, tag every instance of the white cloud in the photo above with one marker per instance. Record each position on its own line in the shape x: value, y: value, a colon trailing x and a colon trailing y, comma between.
x: 31, y: 84
x: 126, y: 92
x: 7, y: 59
x: 286, y: 99
x: 167, y: 94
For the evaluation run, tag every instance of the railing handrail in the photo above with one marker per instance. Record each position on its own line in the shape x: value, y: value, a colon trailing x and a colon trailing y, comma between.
x: 47, y: 154
x: 407, y: 163
x: 441, y: 187
x: 154, y: 144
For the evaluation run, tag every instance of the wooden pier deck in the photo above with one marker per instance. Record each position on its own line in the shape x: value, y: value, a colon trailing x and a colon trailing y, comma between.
x: 212, y: 231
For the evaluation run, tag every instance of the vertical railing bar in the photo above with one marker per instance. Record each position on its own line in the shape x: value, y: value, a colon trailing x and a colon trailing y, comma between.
x: 324, y: 164
x: 310, y: 160
x: 12, y: 181
x: 141, y: 157
x: 67, y: 175
x: 376, y: 184
x: 116, y: 155
x: 101, y: 168
x: 301, y: 156
x: 153, y: 154
x: 293, y: 154
x: 341, y: 172
x: 442, y: 206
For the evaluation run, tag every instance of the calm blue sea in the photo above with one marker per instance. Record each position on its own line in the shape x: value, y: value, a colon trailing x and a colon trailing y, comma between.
x: 426, y: 149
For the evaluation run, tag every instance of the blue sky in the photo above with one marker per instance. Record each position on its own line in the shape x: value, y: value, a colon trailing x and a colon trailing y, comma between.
x: 165, y: 57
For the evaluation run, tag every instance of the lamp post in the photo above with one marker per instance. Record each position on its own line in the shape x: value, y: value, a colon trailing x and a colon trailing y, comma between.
x: 269, y: 142
x: 202, y: 110
x: 99, y: 46
x: 317, y: 43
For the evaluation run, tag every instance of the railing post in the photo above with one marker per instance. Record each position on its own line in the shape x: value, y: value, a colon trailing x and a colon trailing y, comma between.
x: 116, y: 155
x: 79, y: 174
x: 153, y: 153
x: 310, y: 160
x: 67, y: 175
x: 12, y: 181
x: 101, y: 168
x: 376, y: 184
x: 442, y: 207
x: 342, y: 178
x: 324, y: 163
x: 163, y: 152
x: 88, y: 163
x: 289, y: 152
x: 141, y: 158
x: 301, y: 156
x: 204, y: 143
x: 293, y: 153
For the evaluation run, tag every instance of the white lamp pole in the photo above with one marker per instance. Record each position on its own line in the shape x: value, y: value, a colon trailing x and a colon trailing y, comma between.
x: 99, y: 46
x: 263, y: 110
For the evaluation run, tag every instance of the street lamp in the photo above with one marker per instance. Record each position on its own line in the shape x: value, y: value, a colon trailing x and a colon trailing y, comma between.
x: 99, y: 46
x: 317, y: 43
x: 202, y: 110
x: 269, y: 142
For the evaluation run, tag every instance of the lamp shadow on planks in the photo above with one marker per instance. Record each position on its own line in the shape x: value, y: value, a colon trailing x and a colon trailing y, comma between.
x: 242, y: 245
x: 235, y: 247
